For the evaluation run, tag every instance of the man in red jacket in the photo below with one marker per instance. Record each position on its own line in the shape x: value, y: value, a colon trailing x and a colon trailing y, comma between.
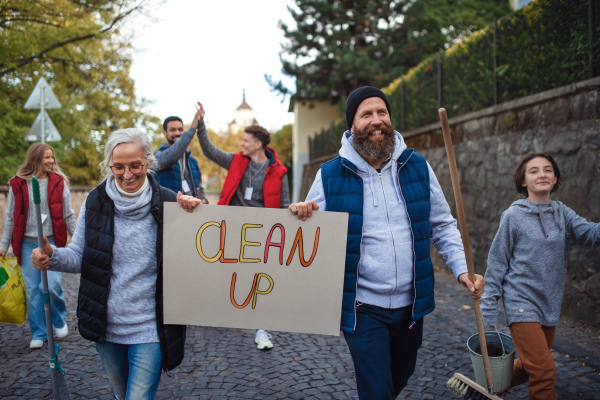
x: 255, y: 178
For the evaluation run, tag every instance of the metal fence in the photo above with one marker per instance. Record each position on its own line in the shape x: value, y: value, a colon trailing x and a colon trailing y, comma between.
x: 547, y: 44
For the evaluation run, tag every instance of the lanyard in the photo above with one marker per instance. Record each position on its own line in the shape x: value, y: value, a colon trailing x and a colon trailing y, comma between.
x: 182, y: 167
x: 252, y: 177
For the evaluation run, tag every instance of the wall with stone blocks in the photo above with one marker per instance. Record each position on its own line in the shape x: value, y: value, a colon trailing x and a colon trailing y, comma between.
x: 489, y: 143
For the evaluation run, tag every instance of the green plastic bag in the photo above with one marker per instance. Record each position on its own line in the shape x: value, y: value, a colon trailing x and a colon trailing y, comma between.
x: 12, y: 293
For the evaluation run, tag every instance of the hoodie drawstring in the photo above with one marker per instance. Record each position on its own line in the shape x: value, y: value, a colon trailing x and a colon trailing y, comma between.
x: 375, y: 203
x: 396, y: 183
x: 559, y: 222
x: 541, y: 214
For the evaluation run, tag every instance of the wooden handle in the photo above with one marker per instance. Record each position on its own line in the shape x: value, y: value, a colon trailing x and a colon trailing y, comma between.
x: 462, y: 224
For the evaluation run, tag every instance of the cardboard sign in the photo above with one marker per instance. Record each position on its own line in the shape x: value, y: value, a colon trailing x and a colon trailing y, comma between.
x: 254, y: 268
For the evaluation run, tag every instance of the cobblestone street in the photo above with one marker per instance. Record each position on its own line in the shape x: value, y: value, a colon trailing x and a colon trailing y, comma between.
x: 225, y: 364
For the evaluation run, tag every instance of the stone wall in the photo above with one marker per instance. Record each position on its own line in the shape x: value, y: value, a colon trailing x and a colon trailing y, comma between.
x: 489, y: 143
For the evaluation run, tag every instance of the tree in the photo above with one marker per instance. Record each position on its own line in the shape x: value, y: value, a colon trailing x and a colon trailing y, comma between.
x: 79, y: 47
x: 282, y: 142
x: 339, y: 45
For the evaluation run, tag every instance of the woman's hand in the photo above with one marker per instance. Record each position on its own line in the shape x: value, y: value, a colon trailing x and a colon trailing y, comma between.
x: 188, y: 203
x: 2, y: 254
x: 41, y: 260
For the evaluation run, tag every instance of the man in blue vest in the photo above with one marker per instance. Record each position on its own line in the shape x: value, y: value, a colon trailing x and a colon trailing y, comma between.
x: 397, y: 208
x: 178, y: 170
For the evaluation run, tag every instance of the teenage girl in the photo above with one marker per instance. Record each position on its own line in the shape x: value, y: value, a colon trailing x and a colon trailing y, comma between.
x: 20, y: 230
x: 527, y: 266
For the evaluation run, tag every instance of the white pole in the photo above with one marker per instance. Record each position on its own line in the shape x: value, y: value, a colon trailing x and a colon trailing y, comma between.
x: 43, y: 116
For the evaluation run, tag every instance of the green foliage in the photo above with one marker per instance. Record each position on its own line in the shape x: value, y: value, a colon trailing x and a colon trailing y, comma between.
x: 327, y: 141
x: 80, y: 50
x: 337, y: 46
x: 540, y: 47
x: 282, y: 142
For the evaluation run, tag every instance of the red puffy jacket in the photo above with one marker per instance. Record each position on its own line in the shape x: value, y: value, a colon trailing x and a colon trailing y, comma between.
x: 271, y: 184
x: 55, y: 208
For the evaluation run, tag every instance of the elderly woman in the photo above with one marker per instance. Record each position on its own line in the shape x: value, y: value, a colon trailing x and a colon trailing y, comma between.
x: 117, y: 248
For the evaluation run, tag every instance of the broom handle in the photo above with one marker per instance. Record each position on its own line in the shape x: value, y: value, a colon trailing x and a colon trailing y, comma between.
x: 48, y: 311
x: 462, y: 223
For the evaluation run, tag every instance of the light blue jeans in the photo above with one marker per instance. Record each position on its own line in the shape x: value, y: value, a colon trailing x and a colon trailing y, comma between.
x: 133, y: 369
x: 33, y: 294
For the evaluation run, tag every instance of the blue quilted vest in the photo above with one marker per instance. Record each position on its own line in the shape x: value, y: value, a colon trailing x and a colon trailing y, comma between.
x: 344, y: 192
x: 171, y: 177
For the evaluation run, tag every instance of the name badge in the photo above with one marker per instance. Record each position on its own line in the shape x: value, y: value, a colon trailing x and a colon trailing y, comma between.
x: 248, y: 195
x: 185, y: 186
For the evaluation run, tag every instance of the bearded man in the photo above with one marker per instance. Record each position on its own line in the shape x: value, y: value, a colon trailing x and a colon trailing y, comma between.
x: 397, y: 208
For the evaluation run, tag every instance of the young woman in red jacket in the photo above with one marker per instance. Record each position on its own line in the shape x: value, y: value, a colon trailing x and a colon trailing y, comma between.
x: 20, y: 230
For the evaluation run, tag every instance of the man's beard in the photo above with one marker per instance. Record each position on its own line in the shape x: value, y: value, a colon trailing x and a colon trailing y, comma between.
x: 171, y: 140
x: 379, y: 149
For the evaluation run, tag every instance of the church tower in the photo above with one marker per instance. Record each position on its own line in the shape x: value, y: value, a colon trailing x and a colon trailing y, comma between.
x: 244, y: 116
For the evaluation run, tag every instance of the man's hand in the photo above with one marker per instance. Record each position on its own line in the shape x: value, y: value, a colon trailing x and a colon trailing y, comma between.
x: 304, y: 209
x: 41, y: 260
x: 199, y: 117
x: 188, y: 203
x: 475, y: 289
x: 2, y: 254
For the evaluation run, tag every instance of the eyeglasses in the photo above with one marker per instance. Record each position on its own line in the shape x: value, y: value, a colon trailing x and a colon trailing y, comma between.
x: 120, y: 169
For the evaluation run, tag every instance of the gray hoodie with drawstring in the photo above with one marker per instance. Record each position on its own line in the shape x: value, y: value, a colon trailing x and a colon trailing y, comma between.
x: 527, y: 263
x: 386, y: 269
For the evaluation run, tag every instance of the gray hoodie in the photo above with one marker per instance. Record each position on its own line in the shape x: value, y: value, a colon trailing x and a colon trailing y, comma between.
x: 527, y: 263
x: 385, y: 271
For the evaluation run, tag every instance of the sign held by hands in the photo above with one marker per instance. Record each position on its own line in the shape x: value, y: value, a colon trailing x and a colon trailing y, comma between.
x: 254, y: 268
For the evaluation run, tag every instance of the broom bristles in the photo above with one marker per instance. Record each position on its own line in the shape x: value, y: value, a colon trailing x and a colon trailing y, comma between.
x: 468, y: 389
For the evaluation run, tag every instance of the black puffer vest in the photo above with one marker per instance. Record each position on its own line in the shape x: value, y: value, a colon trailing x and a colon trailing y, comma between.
x: 96, y: 270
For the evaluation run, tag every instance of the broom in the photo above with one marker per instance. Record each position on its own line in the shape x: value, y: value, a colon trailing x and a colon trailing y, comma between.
x: 460, y: 384
x: 59, y: 387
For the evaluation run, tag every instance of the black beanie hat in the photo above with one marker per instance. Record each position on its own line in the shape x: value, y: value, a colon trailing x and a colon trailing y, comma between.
x: 358, y: 96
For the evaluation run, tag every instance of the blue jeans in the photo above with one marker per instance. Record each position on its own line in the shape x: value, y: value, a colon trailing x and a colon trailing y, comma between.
x: 133, y: 369
x: 33, y: 294
x: 384, y: 350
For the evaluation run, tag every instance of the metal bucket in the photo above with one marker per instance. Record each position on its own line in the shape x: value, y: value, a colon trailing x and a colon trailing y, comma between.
x: 501, y: 367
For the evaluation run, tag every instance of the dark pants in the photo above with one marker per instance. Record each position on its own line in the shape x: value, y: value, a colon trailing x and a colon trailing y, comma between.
x: 384, y: 350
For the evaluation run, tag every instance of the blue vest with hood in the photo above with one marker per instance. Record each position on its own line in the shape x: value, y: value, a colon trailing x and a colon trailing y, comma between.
x: 344, y: 192
x: 171, y: 177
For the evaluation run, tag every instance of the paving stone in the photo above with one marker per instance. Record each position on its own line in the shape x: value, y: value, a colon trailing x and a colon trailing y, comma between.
x: 224, y: 363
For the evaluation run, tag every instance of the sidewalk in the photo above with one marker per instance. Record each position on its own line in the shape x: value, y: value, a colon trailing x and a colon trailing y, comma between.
x: 225, y: 364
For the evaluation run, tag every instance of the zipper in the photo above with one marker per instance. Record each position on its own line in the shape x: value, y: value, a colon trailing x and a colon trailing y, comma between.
x: 359, y: 245
x: 412, y: 234
x: 387, y: 214
x: 194, y: 191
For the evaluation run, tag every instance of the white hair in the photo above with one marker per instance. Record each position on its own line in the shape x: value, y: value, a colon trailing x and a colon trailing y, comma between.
x: 129, y: 135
